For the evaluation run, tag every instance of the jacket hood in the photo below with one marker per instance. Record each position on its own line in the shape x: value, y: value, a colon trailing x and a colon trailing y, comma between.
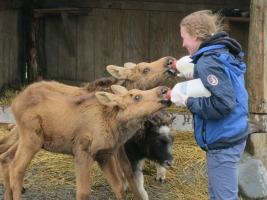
x: 236, y: 64
x: 223, y: 38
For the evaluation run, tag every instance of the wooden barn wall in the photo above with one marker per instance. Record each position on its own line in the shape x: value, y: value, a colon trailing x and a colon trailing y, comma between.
x: 11, y: 48
x: 109, y: 36
x: 115, y: 36
x: 239, y: 30
x: 80, y: 46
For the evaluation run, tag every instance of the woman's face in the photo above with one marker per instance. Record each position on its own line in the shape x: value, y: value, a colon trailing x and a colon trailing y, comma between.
x: 191, y: 43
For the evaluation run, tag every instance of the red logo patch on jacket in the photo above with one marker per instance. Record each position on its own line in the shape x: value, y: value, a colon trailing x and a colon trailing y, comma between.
x: 212, y: 80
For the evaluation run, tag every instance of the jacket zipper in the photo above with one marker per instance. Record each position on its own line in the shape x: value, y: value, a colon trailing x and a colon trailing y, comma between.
x: 204, y: 134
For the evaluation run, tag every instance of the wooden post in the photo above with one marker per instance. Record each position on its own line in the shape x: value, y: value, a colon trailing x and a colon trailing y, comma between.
x: 256, y: 77
x: 31, y: 54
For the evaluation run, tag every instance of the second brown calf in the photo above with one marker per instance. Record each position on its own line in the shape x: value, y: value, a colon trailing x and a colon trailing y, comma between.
x: 89, y: 129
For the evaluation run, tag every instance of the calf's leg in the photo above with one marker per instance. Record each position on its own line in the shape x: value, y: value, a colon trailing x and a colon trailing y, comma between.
x: 128, y: 172
x: 27, y: 148
x: 110, y: 169
x: 8, y: 140
x: 83, y: 166
x: 5, y: 159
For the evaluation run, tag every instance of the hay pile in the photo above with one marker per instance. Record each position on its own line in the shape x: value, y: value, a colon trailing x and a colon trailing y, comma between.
x: 8, y: 95
x: 186, y: 180
x: 52, y: 176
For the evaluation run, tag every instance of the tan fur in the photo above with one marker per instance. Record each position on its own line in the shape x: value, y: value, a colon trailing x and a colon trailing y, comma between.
x: 133, y: 77
x: 155, y: 73
x: 89, y: 130
x: 10, y: 126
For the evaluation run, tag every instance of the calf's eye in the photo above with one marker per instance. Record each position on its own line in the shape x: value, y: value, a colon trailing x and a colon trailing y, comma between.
x: 145, y: 71
x: 137, y: 98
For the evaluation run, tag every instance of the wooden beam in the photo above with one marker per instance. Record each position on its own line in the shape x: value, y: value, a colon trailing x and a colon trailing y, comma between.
x: 68, y: 28
x: 130, y: 5
x: 174, y: 6
x: 11, y: 4
x: 257, y: 58
x: 51, y: 11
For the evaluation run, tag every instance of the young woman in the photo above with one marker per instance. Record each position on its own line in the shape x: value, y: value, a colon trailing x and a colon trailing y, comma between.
x: 220, y: 121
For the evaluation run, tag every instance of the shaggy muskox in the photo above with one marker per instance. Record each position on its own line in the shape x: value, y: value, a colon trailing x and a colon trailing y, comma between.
x: 153, y: 142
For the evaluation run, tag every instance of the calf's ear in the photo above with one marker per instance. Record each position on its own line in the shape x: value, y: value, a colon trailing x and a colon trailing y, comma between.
x: 118, y: 89
x: 109, y: 99
x: 129, y: 65
x: 117, y: 72
x: 106, y: 98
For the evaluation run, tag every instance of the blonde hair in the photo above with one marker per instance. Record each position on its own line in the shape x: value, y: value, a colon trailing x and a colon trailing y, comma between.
x: 202, y: 24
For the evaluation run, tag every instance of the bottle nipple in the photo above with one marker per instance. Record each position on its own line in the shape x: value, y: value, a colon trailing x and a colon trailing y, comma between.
x: 174, y: 65
x: 168, y: 94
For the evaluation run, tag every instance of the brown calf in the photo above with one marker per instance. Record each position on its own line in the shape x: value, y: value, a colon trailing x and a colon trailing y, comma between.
x: 90, y: 128
x: 143, y: 75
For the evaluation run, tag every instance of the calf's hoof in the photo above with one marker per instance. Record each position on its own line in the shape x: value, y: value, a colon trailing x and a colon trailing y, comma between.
x: 160, y: 180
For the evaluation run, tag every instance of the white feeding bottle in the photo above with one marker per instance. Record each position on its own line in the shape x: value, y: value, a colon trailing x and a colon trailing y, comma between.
x: 192, y: 88
x: 183, y: 65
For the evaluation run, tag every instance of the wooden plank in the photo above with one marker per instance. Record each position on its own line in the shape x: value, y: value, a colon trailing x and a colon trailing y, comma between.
x: 40, y: 47
x: 52, y: 35
x: 115, y: 38
x: 16, y: 59
x: 68, y: 30
x: 85, y: 48
x: 257, y: 64
x: 125, y: 38
x: 11, y: 4
x: 177, y: 6
x: 30, y: 49
x: 11, y: 51
x: 121, y: 36
x: 136, y: 36
x: 165, y: 38
x: 239, y: 31
x: 67, y: 63
x: 159, y: 31
x: 3, y: 40
x: 102, y: 30
x: 5, y: 31
x: 265, y: 57
x: 175, y: 41
x: 104, y: 37
x: 55, y: 11
x: 236, y: 19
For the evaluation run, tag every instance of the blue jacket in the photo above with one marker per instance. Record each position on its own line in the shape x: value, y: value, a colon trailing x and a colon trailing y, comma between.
x: 220, y: 121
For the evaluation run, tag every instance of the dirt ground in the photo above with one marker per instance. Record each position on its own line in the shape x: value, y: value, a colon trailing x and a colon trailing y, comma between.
x: 51, y: 176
